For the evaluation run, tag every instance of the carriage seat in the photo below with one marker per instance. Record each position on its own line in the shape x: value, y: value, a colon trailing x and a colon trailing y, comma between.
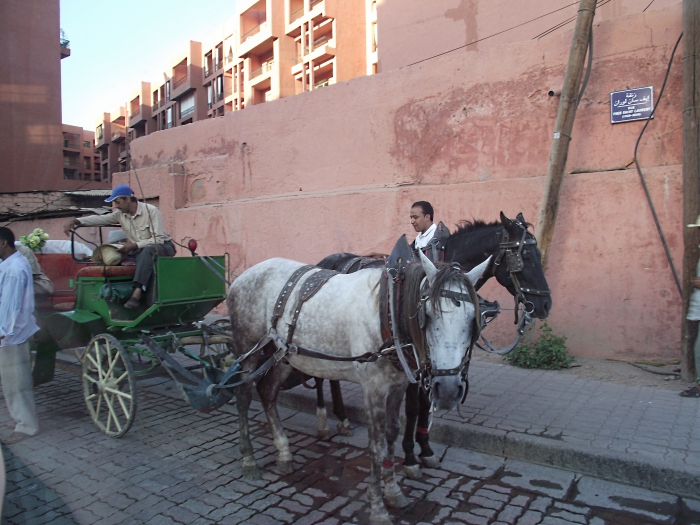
x: 107, y: 271
x: 60, y: 268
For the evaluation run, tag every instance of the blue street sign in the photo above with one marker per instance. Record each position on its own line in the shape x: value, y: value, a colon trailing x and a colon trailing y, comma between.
x: 631, y: 104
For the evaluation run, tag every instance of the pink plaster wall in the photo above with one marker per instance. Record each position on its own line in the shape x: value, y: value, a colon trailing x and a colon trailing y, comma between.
x: 413, y: 30
x: 337, y: 170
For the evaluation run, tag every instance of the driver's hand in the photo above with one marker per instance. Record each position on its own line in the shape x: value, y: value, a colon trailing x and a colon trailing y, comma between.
x: 127, y: 247
x: 67, y: 227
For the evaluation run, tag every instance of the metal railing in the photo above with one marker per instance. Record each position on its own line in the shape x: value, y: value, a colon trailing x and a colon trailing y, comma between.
x: 296, y: 15
x: 207, y: 72
x: 314, y: 3
x: 322, y: 83
x: 136, y: 112
x: 155, y: 106
x: 186, y: 112
x: 228, y: 92
x: 252, y: 32
x: 208, y: 105
x: 180, y: 81
x: 117, y: 134
x: 219, y: 65
x: 321, y: 40
x: 72, y: 145
x: 162, y: 103
x: 70, y: 163
x: 264, y: 68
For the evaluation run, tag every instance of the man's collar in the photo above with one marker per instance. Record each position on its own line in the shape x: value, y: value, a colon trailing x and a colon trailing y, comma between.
x: 430, y: 230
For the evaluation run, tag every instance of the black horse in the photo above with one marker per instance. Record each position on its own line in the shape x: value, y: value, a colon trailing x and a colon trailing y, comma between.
x: 516, y: 264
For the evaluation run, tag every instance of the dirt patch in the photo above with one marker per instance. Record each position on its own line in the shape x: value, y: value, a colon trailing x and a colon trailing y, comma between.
x: 618, y: 372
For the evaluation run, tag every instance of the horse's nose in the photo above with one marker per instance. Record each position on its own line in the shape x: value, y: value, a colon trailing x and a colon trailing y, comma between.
x: 447, y: 392
x: 547, y: 306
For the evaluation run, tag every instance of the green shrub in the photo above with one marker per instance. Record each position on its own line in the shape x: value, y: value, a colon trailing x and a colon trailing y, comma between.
x: 549, y: 352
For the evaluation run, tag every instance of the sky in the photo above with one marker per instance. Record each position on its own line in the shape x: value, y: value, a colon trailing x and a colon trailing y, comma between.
x: 116, y: 45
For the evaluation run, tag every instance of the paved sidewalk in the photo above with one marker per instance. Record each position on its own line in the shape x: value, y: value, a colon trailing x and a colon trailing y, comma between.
x: 640, y: 436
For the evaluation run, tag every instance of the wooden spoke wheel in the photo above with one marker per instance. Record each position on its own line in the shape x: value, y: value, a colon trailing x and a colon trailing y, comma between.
x: 109, y: 385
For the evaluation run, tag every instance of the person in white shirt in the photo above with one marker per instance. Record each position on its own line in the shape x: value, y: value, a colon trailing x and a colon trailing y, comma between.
x: 17, y: 325
x: 431, y: 237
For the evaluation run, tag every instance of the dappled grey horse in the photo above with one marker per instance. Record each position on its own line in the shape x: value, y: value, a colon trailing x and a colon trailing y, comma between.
x: 333, y: 331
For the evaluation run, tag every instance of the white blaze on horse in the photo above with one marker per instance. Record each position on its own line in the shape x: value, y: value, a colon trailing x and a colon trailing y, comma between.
x: 335, y: 333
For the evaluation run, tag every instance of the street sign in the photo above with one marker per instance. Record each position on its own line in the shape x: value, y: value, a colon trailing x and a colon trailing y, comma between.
x: 631, y: 104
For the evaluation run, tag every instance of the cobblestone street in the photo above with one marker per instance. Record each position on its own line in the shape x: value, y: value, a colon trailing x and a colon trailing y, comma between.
x: 177, y: 466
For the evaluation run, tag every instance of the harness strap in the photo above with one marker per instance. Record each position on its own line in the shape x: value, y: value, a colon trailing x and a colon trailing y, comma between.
x: 348, y: 265
x: 312, y: 285
x: 284, y: 293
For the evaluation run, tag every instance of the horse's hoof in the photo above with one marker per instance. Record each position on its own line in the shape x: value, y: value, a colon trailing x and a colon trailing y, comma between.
x: 285, y: 466
x: 396, y: 501
x: 324, y: 434
x: 430, y: 462
x: 344, y: 428
x: 250, y: 469
x: 380, y: 517
x: 413, y: 471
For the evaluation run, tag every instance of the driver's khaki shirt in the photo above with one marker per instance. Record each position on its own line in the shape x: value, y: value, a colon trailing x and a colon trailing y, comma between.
x: 144, y: 228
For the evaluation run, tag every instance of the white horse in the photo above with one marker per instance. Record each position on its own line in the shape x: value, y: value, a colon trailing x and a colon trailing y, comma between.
x: 341, y: 321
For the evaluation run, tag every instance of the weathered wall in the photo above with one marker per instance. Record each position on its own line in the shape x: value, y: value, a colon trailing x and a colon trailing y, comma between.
x: 411, y: 30
x: 337, y: 170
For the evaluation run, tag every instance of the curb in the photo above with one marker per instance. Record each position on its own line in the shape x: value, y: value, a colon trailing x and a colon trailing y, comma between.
x: 623, y: 468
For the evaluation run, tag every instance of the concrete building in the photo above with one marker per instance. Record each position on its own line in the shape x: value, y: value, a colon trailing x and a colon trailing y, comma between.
x: 81, y: 161
x: 32, y: 136
x: 270, y: 49
x: 110, y: 142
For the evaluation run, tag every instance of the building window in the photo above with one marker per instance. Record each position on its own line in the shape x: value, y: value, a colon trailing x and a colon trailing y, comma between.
x: 98, y: 132
x: 86, y: 144
x: 86, y: 163
x: 167, y: 91
x: 187, y: 106
x: 170, y: 117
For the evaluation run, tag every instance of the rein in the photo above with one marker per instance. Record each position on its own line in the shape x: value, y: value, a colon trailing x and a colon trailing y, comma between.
x: 515, y: 265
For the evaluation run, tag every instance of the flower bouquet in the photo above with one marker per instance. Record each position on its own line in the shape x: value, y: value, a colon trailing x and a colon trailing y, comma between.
x: 35, y: 240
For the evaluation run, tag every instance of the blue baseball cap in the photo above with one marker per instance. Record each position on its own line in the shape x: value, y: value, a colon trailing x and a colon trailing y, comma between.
x: 120, y: 191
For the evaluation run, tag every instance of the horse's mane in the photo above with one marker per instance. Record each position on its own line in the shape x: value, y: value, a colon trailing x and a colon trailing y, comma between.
x: 411, y: 296
x: 465, y: 227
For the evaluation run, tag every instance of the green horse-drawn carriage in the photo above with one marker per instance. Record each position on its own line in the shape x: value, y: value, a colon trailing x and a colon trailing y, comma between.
x: 115, y: 346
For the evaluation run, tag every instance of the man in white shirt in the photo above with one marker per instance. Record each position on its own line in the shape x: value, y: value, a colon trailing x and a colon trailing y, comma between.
x: 17, y: 325
x: 146, y: 238
x: 431, y: 237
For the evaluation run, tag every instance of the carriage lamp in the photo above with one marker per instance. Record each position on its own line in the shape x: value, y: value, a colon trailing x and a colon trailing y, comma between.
x: 192, y: 246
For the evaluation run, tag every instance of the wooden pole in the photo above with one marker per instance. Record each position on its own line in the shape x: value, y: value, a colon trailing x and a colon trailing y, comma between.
x: 691, y: 175
x: 563, y: 126
x: 562, y: 136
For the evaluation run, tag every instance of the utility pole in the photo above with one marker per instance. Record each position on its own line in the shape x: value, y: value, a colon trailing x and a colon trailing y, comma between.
x: 562, y: 136
x: 563, y: 126
x: 691, y: 174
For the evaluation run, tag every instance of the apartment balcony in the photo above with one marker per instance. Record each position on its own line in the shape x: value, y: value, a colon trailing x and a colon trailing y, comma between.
x: 180, y: 81
x: 101, y: 141
x: 123, y: 154
x: 228, y: 92
x: 207, y: 71
x: 264, y: 69
x: 71, y: 145
x: 256, y: 41
x: 219, y: 65
x: 186, y: 113
x: 154, y: 107
x: 118, y: 133
x: 140, y: 114
x: 71, y: 163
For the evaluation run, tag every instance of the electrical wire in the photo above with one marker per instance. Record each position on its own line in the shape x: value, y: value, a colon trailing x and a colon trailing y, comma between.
x: 491, y: 36
x: 641, y: 176
x: 647, y: 7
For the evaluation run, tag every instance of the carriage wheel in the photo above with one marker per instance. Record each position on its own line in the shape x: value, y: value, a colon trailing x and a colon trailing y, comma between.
x: 109, y: 385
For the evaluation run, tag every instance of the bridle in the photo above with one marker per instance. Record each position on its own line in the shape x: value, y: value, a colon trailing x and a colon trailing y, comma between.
x: 515, y: 265
x: 426, y: 371
x: 513, y: 253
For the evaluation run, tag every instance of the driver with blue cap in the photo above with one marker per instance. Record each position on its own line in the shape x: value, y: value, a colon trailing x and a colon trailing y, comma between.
x: 146, y: 239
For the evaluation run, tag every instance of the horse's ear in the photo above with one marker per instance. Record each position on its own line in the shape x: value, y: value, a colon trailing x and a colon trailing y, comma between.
x: 478, y: 271
x: 520, y: 218
x: 505, y: 221
x: 428, y: 267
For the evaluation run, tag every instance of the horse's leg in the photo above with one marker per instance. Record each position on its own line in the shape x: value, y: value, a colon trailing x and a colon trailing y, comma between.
x: 268, y: 388
x: 410, y: 464
x: 375, y: 395
x: 324, y: 432
x: 339, y: 409
x: 244, y: 394
x: 427, y: 456
x: 392, y: 493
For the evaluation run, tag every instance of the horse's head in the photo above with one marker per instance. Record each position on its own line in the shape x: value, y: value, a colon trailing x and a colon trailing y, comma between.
x: 446, y: 317
x: 519, y: 267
